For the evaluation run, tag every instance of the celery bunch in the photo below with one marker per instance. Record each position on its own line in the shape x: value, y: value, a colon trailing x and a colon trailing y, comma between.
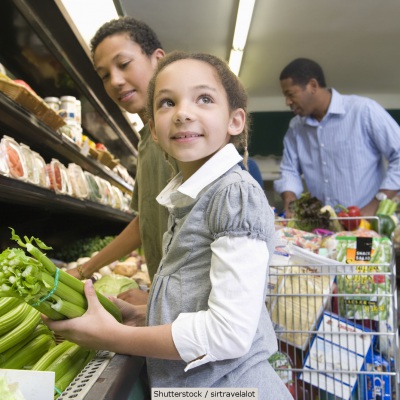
x: 35, y: 279
x: 66, y: 360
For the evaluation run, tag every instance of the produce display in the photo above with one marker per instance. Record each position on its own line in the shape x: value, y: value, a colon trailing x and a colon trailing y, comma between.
x: 66, y: 360
x: 36, y: 280
x: 24, y: 338
x: 81, y: 248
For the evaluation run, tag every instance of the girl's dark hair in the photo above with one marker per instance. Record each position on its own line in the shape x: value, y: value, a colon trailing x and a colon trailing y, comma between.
x: 302, y: 70
x: 235, y: 92
x: 138, y: 31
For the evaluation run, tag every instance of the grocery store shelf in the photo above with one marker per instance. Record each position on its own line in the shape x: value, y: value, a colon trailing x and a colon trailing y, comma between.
x: 54, y: 30
x: 25, y: 127
x: 23, y: 193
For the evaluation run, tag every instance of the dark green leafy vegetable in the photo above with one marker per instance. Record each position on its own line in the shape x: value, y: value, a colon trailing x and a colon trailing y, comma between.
x: 308, y: 215
x: 81, y: 248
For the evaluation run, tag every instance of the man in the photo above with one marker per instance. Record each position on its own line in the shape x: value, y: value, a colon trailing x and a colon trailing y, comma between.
x: 339, y: 144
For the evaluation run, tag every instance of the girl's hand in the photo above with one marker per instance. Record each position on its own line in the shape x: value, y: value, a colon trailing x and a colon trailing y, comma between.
x: 94, y: 329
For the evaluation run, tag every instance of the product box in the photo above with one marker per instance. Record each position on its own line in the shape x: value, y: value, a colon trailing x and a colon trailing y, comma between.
x: 377, y: 383
x: 337, y: 354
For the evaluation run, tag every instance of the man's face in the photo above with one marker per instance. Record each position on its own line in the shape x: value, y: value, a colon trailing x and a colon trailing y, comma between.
x: 125, y: 71
x: 298, y: 98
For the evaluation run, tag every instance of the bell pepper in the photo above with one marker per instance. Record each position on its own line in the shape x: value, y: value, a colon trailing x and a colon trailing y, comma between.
x: 352, y: 211
x: 384, y: 225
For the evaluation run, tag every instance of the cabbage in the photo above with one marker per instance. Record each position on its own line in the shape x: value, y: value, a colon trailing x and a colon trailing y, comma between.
x: 114, y: 284
x: 9, y: 391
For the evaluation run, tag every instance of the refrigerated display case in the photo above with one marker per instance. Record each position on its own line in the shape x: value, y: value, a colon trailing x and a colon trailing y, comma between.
x: 39, y: 46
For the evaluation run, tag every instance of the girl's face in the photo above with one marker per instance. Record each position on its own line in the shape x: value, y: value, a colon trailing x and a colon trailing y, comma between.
x: 192, y: 120
x: 126, y: 71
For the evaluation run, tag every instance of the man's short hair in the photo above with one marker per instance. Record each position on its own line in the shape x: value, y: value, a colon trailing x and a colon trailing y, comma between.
x: 302, y: 70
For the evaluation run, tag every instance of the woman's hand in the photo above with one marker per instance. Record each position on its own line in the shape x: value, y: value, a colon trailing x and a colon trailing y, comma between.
x: 132, y: 315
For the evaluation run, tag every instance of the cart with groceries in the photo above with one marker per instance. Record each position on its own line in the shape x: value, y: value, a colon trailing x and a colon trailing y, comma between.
x: 332, y: 298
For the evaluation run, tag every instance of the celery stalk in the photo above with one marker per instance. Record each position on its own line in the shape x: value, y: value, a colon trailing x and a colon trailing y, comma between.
x: 65, y: 292
x: 32, y: 279
x: 66, y: 308
x: 72, y: 282
x: 47, y: 359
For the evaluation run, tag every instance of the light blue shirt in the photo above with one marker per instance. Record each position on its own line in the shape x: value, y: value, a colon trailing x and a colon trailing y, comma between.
x: 347, y: 157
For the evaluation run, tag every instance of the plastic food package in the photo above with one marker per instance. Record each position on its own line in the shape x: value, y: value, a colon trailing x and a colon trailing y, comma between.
x: 118, y: 197
x: 3, y: 163
x: 106, y: 192
x: 56, y: 177
x: 66, y: 179
x: 94, y: 190
x: 78, y: 181
x: 40, y: 166
x: 14, y: 159
x: 32, y: 173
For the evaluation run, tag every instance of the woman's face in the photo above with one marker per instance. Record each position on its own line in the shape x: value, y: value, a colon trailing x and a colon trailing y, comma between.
x: 192, y: 120
x: 125, y: 71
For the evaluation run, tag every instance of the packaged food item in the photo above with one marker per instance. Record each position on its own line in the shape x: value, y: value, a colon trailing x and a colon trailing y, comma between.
x: 78, y: 181
x: 68, y: 107
x: 118, y: 197
x: 94, y: 190
x: 32, y: 173
x: 3, y: 163
x: 109, y: 194
x: 283, y: 366
x: 103, y: 190
x: 14, y: 158
x: 56, y: 177
x: 67, y: 180
x: 365, y: 287
x: 53, y: 103
x: 40, y: 166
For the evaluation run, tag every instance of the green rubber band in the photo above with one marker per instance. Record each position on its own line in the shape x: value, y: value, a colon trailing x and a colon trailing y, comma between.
x: 51, y: 291
x: 58, y: 390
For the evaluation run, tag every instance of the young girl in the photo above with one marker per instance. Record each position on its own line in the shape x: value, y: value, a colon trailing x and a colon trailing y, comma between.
x: 207, y: 321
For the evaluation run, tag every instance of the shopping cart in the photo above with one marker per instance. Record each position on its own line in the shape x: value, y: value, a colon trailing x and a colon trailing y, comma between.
x: 336, y: 321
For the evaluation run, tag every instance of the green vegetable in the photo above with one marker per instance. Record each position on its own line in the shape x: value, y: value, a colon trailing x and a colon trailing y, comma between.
x: 30, y: 353
x: 40, y: 329
x: 69, y: 375
x: 384, y: 225
x: 53, y: 354
x: 81, y: 248
x: 21, y: 331
x: 114, y: 284
x: 308, y: 215
x: 9, y: 391
x: 40, y: 283
x: 13, y: 318
x: 386, y: 207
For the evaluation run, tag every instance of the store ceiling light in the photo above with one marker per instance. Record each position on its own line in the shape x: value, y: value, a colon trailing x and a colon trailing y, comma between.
x: 243, y: 20
x: 89, y: 15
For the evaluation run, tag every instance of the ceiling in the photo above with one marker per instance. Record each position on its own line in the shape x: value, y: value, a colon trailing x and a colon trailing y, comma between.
x: 356, y: 42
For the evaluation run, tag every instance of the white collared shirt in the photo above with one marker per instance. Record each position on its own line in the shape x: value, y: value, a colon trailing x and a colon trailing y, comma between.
x: 238, y: 265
